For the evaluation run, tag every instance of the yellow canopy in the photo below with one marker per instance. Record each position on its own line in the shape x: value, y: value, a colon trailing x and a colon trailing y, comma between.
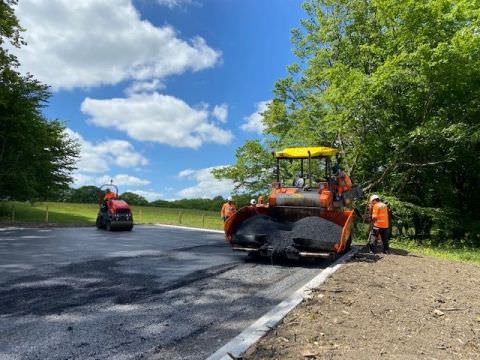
x: 302, y: 152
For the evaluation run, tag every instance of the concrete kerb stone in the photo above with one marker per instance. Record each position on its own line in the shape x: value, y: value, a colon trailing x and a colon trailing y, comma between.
x: 242, y: 342
x: 189, y: 228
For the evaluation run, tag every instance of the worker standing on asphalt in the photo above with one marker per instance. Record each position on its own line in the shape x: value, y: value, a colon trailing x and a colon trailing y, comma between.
x: 109, y: 195
x: 380, y: 224
x: 228, y: 209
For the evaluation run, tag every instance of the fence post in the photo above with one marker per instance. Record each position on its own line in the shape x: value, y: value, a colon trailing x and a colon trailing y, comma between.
x: 141, y: 216
x: 46, y: 214
x: 12, y: 217
x: 180, y: 217
x: 203, y: 220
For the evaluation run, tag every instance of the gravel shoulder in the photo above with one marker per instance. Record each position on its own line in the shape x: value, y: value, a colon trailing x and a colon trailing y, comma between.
x: 399, y: 306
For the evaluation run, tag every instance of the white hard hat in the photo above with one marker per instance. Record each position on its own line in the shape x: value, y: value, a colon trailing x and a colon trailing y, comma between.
x: 253, y: 202
x: 229, y: 198
x: 374, y: 197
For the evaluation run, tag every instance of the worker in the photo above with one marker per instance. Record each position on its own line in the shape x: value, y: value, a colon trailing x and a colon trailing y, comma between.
x: 380, y: 224
x: 298, y: 180
x: 109, y: 195
x: 228, y: 209
x: 261, y: 201
x: 343, y: 181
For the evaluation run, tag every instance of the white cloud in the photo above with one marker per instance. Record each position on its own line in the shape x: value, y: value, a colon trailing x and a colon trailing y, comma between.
x: 144, y: 87
x: 159, y: 118
x: 220, y: 112
x: 122, y: 180
x: 81, y: 179
x: 173, y: 3
x: 149, y: 195
x: 96, y: 42
x: 254, y: 122
x: 97, y: 158
x: 207, y: 186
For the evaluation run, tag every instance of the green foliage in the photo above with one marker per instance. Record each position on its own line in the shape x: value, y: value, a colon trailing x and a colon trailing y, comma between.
x: 133, y: 199
x: 253, y: 170
x: 214, y: 204
x: 84, y: 194
x: 394, y: 85
x: 36, y: 158
x: 436, y: 223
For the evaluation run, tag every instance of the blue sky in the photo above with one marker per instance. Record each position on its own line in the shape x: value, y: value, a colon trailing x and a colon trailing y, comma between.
x: 158, y: 91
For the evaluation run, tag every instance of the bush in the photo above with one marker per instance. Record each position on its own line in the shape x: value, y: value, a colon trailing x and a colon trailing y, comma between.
x: 439, y: 225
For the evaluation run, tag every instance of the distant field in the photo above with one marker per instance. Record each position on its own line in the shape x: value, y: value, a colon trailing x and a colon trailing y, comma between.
x: 85, y: 214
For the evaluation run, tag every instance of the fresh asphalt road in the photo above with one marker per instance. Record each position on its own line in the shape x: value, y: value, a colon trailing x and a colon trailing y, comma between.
x: 153, y: 293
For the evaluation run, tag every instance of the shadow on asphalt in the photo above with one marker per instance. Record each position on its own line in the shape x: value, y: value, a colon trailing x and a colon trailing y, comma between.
x: 170, y: 302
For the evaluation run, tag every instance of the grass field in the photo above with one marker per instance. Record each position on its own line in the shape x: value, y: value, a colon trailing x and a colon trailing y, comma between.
x: 85, y: 214
x: 469, y: 255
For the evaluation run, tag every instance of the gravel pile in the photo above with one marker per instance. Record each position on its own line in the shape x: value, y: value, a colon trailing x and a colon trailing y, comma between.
x: 259, y: 229
x: 313, y: 233
x: 316, y: 233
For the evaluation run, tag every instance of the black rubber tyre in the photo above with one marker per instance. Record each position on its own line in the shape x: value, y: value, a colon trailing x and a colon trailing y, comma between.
x: 98, y: 222
x: 349, y: 245
x: 108, y: 226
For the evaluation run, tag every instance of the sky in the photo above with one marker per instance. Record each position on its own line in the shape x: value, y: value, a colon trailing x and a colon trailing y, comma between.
x: 158, y: 92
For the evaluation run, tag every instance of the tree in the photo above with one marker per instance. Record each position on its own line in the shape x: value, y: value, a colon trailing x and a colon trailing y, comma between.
x: 394, y: 86
x: 134, y: 199
x: 253, y: 170
x: 36, y: 157
x: 84, y: 194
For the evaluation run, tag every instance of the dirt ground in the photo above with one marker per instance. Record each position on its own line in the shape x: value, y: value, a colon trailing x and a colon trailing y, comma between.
x: 397, y: 306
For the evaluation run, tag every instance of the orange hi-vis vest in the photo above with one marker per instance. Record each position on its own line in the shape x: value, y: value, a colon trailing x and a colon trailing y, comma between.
x: 344, y: 183
x: 110, y: 196
x: 380, y: 215
x: 228, y: 210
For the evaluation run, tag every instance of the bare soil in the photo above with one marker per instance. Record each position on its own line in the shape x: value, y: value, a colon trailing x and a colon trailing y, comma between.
x: 397, y: 306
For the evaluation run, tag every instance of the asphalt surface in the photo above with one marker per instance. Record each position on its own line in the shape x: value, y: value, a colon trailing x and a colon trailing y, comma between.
x: 153, y: 293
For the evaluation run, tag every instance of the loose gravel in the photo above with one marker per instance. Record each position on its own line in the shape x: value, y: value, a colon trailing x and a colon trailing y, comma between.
x: 316, y: 233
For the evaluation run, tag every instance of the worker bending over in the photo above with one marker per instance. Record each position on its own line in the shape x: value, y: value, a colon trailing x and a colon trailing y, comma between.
x: 380, y: 224
x: 228, y: 209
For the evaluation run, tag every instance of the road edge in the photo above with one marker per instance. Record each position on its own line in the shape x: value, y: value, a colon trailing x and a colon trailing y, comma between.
x: 242, y: 342
x: 189, y: 228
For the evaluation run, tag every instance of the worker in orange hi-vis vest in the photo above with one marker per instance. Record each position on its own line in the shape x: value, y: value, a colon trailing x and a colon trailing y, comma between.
x: 228, y: 209
x: 109, y: 195
x: 344, y: 182
x: 380, y: 224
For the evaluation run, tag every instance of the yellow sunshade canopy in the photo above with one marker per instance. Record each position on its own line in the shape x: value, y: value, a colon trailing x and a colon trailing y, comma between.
x: 303, y: 152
